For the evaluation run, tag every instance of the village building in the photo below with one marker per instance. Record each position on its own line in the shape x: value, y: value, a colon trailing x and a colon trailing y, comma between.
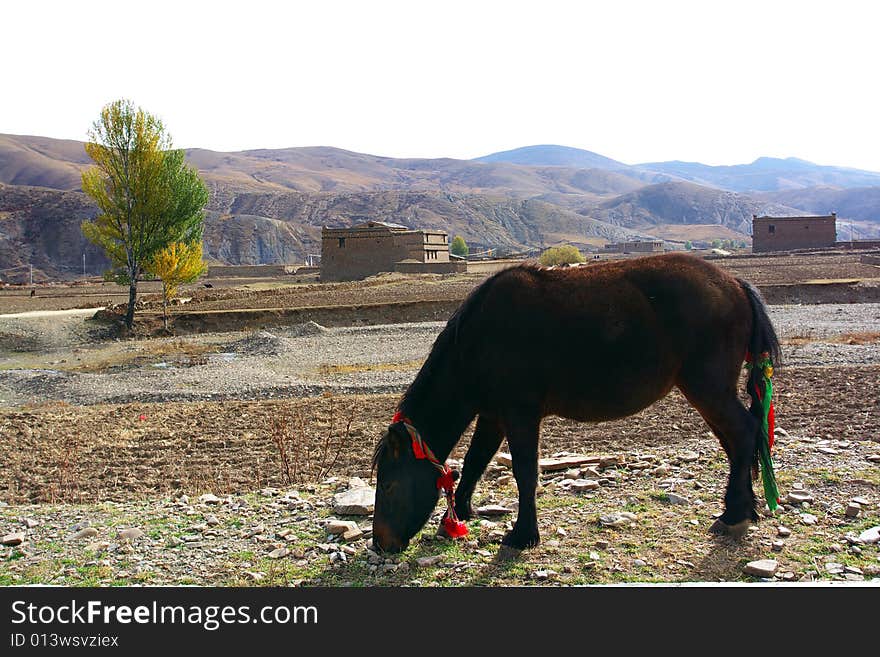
x: 635, y: 246
x: 376, y: 246
x: 789, y: 233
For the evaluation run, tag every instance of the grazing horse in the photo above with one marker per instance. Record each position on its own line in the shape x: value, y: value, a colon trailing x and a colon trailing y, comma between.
x: 591, y: 343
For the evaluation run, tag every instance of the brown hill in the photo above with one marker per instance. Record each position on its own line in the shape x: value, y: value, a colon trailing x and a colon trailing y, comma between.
x: 684, y: 203
x: 42, y: 227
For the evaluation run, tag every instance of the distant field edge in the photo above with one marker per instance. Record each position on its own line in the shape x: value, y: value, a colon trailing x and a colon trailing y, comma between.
x: 427, y: 310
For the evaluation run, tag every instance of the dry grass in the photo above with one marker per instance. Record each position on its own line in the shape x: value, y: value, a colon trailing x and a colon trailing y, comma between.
x: 356, y: 368
x: 182, y: 352
x: 857, y: 337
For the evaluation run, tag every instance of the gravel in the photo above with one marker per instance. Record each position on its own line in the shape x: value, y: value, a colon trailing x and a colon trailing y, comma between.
x: 308, y: 359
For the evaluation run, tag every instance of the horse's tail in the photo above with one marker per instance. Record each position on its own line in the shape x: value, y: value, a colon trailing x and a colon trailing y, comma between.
x: 763, y: 338
x: 764, y: 354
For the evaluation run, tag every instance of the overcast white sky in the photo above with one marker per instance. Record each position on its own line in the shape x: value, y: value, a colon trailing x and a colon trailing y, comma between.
x: 716, y: 82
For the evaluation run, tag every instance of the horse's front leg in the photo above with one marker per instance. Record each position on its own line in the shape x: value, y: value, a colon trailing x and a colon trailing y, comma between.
x: 487, y: 438
x: 522, y: 436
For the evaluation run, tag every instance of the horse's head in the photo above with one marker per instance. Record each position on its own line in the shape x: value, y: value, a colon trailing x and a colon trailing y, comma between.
x: 406, y: 490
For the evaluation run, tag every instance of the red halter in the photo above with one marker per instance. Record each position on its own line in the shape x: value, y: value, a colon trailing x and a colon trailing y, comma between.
x: 445, y: 482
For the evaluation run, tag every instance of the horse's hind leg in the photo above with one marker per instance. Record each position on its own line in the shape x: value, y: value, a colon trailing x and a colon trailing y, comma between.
x: 737, y: 430
x: 487, y: 438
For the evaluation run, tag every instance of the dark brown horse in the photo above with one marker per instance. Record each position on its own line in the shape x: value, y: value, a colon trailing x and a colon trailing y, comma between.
x: 590, y: 343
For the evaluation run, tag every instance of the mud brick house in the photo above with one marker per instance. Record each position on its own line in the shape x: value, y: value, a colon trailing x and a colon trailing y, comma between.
x: 787, y: 233
x: 636, y: 246
x: 374, y: 246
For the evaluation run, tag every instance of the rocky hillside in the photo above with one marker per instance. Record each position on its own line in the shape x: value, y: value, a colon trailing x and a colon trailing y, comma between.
x: 685, y: 203
x: 42, y: 227
x: 268, y: 206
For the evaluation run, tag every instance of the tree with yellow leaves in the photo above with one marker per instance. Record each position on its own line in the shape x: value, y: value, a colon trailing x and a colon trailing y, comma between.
x: 147, y: 196
x: 176, y: 264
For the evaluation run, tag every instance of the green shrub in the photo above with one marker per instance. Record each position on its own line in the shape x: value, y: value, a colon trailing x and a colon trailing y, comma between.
x: 459, y: 247
x: 561, y: 255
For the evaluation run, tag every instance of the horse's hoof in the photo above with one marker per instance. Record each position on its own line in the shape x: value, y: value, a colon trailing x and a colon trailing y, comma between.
x: 738, y: 530
x: 466, y: 512
x: 521, y: 540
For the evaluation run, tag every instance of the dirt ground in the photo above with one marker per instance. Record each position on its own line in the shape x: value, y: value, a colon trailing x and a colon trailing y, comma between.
x: 124, y: 466
x: 227, y: 483
x: 303, y: 291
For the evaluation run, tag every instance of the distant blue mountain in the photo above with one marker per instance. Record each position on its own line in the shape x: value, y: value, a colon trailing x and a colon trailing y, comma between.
x: 766, y: 174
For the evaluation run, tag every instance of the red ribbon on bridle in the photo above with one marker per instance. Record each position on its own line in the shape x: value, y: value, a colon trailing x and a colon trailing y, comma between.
x: 454, y: 527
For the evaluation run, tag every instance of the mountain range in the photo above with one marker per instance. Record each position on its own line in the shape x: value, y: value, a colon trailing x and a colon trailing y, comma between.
x: 268, y: 205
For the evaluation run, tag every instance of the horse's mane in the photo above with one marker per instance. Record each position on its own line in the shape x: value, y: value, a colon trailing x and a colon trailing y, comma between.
x: 444, y: 346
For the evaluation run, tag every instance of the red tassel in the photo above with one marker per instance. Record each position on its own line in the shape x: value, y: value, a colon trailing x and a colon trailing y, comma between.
x: 446, y: 481
x: 417, y: 450
x: 454, y: 528
x: 398, y: 417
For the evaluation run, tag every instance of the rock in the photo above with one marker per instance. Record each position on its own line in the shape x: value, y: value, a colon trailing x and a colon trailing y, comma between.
x: 602, y: 545
x: 355, y: 501
x: 777, y: 546
x: 560, y: 531
x: 661, y: 471
x: 542, y: 575
x: 255, y: 576
x: 608, y: 461
x: 85, y: 532
x: 870, y: 535
x: 504, y: 459
x: 353, y: 534
x: 130, y: 534
x: 615, y: 520
x: 492, y: 510
x: 761, y: 568
x: 566, y: 462
x: 209, y: 498
x: 581, y: 485
x: 573, y: 474
x: 279, y: 553
x: 799, y: 497
x: 212, y: 520
x: 641, y: 563
x: 853, y: 509
x: 808, y: 519
x: 488, y: 524
x: 29, y: 523
x: 783, y: 532
x: 15, y: 538
x: 863, y: 501
x: 340, y: 526
x: 100, y: 546
x: 873, y: 458
x: 672, y: 498
x: 427, y: 562
x: 834, y: 568
x: 689, y: 457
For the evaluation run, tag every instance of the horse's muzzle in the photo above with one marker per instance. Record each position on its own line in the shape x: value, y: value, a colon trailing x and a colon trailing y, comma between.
x: 384, y: 539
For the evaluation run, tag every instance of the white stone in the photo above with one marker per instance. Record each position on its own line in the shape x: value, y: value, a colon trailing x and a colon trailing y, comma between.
x: 130, y: 534
x: 15, y: 538
x: 491, y: 510
x: 870, y: 535
x: 85, y: 532
x: 355, y: 502
x: 209, y: 498
x: 427, y: 562
x: 581, y: 485
x: 761, y: 568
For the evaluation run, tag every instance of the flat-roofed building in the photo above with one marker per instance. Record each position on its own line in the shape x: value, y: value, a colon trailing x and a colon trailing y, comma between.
x: 789, y: 233
x: 377, y: 246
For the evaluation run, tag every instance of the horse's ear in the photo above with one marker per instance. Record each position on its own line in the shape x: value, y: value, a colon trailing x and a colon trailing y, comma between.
x: 397, y: 439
